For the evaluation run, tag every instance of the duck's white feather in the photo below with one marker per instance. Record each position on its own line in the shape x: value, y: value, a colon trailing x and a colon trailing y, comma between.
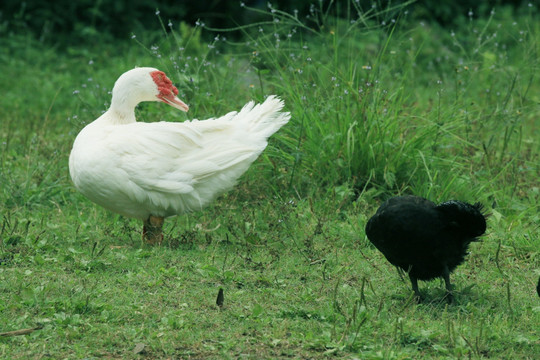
x: 163, y: 168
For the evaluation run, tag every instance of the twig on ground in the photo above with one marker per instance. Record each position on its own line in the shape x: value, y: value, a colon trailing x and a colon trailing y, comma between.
x: 21, y: 331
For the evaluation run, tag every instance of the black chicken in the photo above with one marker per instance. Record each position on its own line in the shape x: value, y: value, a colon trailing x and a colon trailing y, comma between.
x: 424, y: 239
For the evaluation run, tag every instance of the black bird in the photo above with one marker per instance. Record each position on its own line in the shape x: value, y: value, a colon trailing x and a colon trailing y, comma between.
x: 424, y: 239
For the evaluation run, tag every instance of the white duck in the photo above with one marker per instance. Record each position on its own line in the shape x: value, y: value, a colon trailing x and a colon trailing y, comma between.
x: 151, y: 171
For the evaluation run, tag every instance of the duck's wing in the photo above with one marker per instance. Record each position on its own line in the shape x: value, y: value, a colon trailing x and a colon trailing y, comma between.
x: 180, y: 166
x: 165, y: 168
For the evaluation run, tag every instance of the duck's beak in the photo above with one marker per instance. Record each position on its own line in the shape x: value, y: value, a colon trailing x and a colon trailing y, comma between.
x: 174, y: 101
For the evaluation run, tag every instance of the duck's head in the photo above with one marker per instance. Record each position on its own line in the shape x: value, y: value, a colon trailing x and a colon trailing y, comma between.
x: 146, y: 84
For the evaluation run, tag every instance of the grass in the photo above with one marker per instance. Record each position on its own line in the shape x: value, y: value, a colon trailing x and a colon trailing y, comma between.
x: 377, y: 111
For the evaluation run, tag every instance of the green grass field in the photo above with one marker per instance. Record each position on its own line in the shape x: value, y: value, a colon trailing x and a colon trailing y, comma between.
x: 378, y: 110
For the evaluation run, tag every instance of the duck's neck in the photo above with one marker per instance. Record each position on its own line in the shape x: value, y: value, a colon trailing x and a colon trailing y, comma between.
x: 121, y: 111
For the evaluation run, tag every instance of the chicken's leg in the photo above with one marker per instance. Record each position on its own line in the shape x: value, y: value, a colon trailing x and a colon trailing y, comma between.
x: 414, y: 283
x: 446, y: 277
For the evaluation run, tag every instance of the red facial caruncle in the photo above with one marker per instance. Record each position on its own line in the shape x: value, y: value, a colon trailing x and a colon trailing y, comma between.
x: 167, y: 91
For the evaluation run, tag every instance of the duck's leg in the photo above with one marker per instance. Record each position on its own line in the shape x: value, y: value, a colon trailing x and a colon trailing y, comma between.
x: 446, y: 277
x: 152, y: 230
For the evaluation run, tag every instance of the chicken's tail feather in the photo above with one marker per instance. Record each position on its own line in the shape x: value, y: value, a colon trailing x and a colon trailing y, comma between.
x: 469, y: 218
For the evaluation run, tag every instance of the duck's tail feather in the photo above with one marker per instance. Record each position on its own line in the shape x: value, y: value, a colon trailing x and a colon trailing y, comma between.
x: 263, y: 119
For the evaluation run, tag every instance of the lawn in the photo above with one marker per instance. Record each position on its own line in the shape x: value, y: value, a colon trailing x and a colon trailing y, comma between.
x: 381, y: 106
